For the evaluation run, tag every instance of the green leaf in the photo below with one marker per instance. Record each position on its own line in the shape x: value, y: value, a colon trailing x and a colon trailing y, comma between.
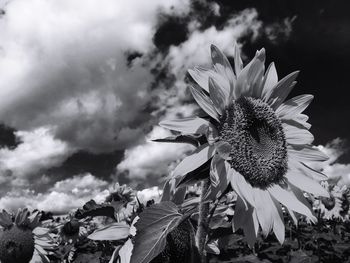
x: 155, y: 223
x: 115, y: 231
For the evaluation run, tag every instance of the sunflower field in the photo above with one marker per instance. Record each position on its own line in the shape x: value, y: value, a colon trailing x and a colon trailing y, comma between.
x: 249, y: 192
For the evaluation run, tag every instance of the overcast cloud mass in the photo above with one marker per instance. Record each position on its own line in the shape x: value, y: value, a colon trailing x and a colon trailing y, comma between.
x: 84, y: 83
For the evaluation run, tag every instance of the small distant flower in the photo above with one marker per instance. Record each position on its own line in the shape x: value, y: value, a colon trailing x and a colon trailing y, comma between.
x: 123, y: 199
x: 72, y: 230
x: 330, y: 207
x: 345, y: 212
x: 255, y: 141
x: 22, y: 240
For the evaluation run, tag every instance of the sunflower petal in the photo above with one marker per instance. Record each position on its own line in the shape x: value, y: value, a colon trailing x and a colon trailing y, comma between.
x: 294, y: 106
x: 305, y: 153
x: 278, y: 220
x: 250, y: 74
x: 238, y: 60
x: 263, y: 205
x: 280, y: 91
x: 269, y: 81
x: 306, y: 183
x: 295, y: 135
x: 187, y: 125
x: 223, y: 67
x: 316, y: 175
x: 204, y: 102
x: 288, y: 199
x: 200, y: 156
x: 242, y: 187
x: 217, y: 95
x: 200, y: 75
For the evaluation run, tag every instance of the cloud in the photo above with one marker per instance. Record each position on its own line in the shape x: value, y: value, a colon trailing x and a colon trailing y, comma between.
x: 64, y: 64
x: 152, y: 158
x: 195, y: 50
x: 338, y: 172
x: 38, y: 150
x: 63, y: 197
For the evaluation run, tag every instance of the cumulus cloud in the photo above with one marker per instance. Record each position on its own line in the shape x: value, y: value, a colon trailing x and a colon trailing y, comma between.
x: 38, y: 150
x: 152, y: 158
x: 64, y: 196
x: 64, y: 64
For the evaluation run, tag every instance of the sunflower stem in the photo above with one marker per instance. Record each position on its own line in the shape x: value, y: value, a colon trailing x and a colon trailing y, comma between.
x: 203, y: 221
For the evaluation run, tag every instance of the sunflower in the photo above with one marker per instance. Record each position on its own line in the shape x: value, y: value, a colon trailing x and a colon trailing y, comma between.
x: 256, y: 141
x: 22, y: 240
x: 331, y: 207
x: 72, y: 229
x: 123, y: 199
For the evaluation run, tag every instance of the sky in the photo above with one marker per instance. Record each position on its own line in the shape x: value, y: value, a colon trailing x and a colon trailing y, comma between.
x: 84, y: 83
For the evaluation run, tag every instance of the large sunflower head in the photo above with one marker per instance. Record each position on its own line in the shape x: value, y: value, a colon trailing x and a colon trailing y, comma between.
x: 257, y: 142
x: 21, y: 238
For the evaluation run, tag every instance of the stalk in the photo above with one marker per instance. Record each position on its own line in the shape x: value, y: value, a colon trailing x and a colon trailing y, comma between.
x: 203, y: 221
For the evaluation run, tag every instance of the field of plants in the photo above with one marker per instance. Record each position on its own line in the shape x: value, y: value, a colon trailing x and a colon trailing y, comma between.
x: 249, y: 191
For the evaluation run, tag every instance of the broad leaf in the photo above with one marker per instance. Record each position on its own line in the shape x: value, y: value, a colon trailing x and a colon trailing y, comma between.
x: 155, y: 223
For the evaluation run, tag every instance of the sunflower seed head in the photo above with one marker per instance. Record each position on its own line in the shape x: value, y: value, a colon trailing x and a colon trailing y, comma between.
x: 258, y: 145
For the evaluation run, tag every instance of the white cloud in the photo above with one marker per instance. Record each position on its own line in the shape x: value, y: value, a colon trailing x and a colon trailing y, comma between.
x: 63, y: 197
x: 152, y: 158
x: 38, y: 150
x: 196, y: 49
x: 332, y: 168
x: 63, y: 63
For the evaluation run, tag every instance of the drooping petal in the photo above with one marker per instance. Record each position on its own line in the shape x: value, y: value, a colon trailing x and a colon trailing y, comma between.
x: 204, y: 102
x: 280, y: 91
x: 306, y: 153
x: 218, y: 96
x: 306, y: 183
x: 247, y: 220
x: 241, y: 187
x: 278, y: 220
x: 288, y: 199
x: 200, y: 156
x: 294, y: 106
x: 295, y: 135
x: 270, y: 80
x: 263, y: 205
x: 223, y: 67
x: 187, y: 125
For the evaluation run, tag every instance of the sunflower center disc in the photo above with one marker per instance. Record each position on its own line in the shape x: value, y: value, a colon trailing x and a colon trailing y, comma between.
x: 16, y: 245
x: 258, y: 145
